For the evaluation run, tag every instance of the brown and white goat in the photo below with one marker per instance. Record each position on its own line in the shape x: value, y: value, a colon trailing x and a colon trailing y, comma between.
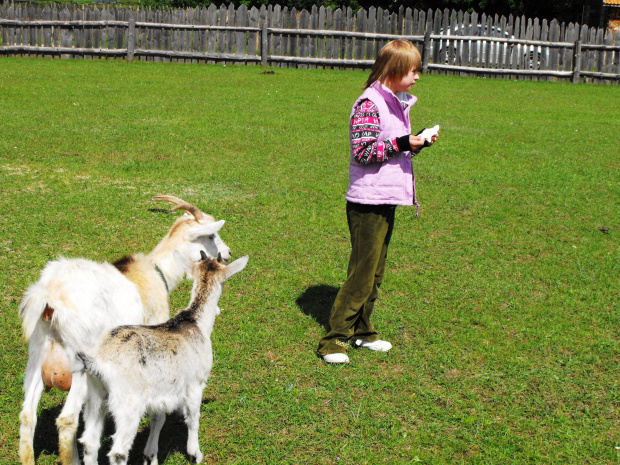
x: 76, y: 300
x: 156, y: 369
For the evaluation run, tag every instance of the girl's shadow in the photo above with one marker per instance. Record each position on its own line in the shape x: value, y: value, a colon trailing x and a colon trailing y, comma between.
x: 317, y: 301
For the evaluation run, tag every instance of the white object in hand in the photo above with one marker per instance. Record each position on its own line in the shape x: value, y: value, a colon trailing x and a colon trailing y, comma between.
x: 428, y: 133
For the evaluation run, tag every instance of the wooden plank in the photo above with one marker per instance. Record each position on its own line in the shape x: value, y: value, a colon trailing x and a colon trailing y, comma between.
x: 277, y: 38
x: 465, y: 46
x: 616, y: 67
x: 312, y: 41
x: 566, y: 54
x: 66, y: 33
x: 600, y: 55
x: 120, y: 31
x: 131, y: 43
x: 347, y: 47
x: 55, y: 31
x: 475, y: 31
x: 4, y: 31
x: 554, y: 53
x: 89, y: 33
x: 286, y: 17
x: 380, y: 30
x: 451, y: 48
x: 508, y: 49
x: 435, y: 44
x: 230, y: 21
x: 516, y: 60
x: 502, y: 51
x: 142, y: 32
x: 175, y: 36
x: 561, y: 52
x: 186, y: 34
x: 202, y: 37
x: 544, y: 51
x: 591, y: 53
x: 426, y: 51
x: 502, y: 72
x: 320, y: 44
x: 338, y: 25
x: 212, y: 19
x: 609, y: 40
x: 27, y: 30
x: 12, y: 14
x: 304, y: 23
x: 242, y: 21
x: 264, y: 15
x: 408, y: 22
x: 253, y: 36
x: 36, y: 36
x: 371, y: 26
x: 360, y: 26
x: 193, y: 39
x: 148, y: 39
x: 293, y: 39
x: 221, y: 37
x: 264, y: 45
x: 167, y: 39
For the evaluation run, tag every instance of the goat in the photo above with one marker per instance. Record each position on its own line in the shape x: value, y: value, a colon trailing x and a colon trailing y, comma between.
x: 76, y: 300
x: 157, y: 369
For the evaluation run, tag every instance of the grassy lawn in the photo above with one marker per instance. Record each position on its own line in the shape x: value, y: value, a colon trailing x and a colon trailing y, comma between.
x: 501, y: 298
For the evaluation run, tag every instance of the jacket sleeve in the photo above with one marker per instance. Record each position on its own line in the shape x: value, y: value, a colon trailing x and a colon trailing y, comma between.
x: 366, y: 146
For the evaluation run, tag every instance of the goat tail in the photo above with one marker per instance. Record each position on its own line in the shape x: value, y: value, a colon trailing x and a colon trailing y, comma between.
x: 33, y: 308
x: 90, y: 364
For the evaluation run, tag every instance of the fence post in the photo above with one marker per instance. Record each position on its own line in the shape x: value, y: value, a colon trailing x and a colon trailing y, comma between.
x: 577, y: 61
x: 426, y: 53
x: 264, y: 45
x: 131, y: 39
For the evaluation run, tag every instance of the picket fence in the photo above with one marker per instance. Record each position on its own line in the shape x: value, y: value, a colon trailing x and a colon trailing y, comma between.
x: 451, y: 42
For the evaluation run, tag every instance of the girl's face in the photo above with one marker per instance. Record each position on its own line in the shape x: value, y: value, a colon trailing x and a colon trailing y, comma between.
x: 405, y: 83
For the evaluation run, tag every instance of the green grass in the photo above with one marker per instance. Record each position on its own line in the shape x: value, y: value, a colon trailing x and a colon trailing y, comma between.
x: 501, y: 298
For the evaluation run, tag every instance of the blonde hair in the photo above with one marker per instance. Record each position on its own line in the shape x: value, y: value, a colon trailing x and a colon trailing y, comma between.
x: 394, y: 61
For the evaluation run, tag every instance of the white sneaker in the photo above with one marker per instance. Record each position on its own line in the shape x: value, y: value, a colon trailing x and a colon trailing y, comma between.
x: 336, y: 358
x: 377, y: 346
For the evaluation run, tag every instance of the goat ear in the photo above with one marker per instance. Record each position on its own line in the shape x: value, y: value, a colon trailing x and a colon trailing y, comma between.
x: 205, y: 230
x: 236, y: 266
x: 203, y: 255
x: 183, y: 262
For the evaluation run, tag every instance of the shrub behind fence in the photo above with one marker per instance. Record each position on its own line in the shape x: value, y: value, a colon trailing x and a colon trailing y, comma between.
x: 451, y: 42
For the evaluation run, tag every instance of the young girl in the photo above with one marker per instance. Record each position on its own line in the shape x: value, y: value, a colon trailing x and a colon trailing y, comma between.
x: 380, y: 178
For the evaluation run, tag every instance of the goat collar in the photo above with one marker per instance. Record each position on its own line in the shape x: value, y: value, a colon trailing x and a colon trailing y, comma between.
x: 163, y: 278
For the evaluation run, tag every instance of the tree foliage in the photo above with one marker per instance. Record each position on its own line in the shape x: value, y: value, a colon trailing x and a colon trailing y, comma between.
x: 562, y: 10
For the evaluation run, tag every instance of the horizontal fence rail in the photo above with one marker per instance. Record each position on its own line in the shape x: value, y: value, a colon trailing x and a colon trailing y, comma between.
x: 450, y: 42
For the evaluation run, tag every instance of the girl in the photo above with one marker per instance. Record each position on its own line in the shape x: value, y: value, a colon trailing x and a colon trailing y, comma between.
x: 380, y: 178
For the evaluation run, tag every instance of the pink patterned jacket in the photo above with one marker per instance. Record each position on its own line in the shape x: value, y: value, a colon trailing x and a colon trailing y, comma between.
x: 382, y: 179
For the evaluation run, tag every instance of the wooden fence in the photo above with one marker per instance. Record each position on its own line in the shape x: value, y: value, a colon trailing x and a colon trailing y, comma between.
x: 451, y: 42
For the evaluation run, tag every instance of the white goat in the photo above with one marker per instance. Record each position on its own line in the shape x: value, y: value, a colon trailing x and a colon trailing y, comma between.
x: 76, y: 300
x: 157, y: 369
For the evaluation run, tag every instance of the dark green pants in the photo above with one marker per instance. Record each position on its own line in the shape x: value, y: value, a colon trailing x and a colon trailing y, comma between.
x: 371, y: 229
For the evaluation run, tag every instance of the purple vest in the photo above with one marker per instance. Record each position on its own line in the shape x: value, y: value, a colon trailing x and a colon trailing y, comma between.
x: 391, y: 182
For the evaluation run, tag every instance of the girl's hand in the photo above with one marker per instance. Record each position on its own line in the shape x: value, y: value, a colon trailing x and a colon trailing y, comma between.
x: 416, y: 142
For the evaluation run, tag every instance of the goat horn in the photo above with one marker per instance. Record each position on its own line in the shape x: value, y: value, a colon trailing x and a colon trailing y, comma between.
x: 182, y: 205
